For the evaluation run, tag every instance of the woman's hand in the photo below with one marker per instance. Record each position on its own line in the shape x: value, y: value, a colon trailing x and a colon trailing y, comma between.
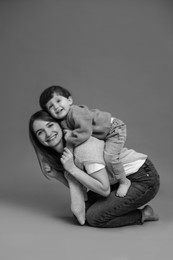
x: 67, y: 160
x: 67, y: 133
x: 46, y: 167
x: 97, y: 181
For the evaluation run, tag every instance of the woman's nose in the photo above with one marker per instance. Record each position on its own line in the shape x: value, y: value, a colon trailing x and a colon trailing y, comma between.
x: 48, y: 132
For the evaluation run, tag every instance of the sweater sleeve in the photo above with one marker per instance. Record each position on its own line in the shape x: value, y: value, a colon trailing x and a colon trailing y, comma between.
x: 80, y: 121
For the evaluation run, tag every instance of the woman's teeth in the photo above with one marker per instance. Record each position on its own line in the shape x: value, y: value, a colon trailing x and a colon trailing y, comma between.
x: 51, y: 138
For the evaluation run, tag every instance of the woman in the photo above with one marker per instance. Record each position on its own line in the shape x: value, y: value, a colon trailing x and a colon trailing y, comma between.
x: 103, y: 207
x: 47, y: 139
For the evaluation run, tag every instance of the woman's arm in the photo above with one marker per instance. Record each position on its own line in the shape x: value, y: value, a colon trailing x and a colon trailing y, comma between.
x: 76, y: 189
x: 77, y: 198
x: 97, y: 182
x: 49, y: 172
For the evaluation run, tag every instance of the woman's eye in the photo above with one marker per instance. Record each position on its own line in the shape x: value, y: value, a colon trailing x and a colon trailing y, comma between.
x: 50, y: 125
x: 39, y: 133
x: 50, y: 107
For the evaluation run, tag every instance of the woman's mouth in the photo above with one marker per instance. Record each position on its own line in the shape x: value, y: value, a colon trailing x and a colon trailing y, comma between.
x: 51, y: 138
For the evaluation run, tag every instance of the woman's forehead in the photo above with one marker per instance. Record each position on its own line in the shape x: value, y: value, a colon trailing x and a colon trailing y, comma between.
x: 39, y: 123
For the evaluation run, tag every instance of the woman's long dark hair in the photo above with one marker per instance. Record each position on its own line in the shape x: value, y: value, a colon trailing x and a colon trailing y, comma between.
x: 48, y: 154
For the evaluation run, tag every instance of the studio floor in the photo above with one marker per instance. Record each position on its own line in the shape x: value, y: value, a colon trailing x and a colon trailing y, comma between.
x: 116, y: 56
x: 32, y: 229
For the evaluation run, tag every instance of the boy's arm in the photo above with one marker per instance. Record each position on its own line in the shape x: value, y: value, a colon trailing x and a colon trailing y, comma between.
x: 80, y: 121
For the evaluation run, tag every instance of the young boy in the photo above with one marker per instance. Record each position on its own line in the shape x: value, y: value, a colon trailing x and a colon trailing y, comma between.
x: 80, y: 123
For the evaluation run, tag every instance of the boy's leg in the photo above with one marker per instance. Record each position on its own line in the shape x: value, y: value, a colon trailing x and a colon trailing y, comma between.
x: 114, y: 143
x: 124, y: 185
x: 114, y: 165
x: 116, y: 169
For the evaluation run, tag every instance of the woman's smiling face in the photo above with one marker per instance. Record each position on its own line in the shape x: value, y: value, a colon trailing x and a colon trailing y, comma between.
x: 48, y: 133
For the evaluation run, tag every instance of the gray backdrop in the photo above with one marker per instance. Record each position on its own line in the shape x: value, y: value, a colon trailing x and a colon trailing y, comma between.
x: 112, y: 55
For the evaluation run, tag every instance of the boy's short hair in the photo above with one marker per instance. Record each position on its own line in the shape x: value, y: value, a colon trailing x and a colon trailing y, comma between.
x: 48, y: 93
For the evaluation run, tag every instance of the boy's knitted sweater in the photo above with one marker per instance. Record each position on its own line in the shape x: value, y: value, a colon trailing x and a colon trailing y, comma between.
x: 85, y: 122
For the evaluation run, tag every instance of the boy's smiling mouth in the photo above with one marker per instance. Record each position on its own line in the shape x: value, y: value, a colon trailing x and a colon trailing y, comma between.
x: 57, y: 111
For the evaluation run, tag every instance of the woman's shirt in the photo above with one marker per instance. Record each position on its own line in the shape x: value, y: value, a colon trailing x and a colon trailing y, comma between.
x: 89, y: 157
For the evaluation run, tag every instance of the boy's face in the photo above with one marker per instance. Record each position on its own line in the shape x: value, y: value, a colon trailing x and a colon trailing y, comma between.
x: 59, y: 106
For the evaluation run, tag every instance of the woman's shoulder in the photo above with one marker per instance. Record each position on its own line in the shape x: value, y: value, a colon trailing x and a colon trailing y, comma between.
x: 90, y: 150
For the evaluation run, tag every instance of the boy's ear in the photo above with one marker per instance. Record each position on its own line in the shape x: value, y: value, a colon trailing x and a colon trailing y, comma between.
x: 70, y: 100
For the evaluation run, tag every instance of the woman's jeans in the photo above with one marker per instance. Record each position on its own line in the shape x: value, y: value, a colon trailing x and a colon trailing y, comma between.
x: 113, y: 211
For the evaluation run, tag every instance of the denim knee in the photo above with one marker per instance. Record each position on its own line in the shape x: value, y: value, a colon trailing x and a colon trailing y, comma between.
x: 91, y: 219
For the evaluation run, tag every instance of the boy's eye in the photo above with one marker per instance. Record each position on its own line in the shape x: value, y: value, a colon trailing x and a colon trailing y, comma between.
x: 50, y: 125
x: 50, y: 107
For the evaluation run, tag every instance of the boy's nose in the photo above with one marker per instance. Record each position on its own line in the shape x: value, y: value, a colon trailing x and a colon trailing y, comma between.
x: 56, y: 106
